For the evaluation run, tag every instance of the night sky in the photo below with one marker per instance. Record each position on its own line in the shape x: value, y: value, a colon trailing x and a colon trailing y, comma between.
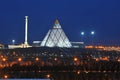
x: 102, y: 16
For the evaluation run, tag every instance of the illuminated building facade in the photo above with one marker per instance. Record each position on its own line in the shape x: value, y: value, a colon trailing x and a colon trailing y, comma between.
x: 56, y: 37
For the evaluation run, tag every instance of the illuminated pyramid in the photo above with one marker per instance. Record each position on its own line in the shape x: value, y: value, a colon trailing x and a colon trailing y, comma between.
x: 56, y: 37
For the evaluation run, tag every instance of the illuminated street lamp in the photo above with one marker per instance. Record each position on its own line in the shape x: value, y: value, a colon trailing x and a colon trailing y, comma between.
x: 75, y: 59
x: 19, y: 59
x: 78, y: 72
x: 92, y: 32
x: 4, y: 59
x: 118, y: 60
x: 82, y: 33
x: 13, y: 41
x: 37, y: 59
x: 5, y: 76
x: 48, y: 75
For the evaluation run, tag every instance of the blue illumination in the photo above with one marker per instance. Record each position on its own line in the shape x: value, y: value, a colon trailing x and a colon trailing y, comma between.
x: 13, y: 41
x: 82, y: 33
x: 92, y: 32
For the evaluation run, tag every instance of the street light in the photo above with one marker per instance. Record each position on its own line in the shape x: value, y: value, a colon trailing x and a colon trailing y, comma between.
x: 75, y: 59
x: 19, y: 59
x: 37, y: 59
x: 4, y: 59
x: 5, y: 76
x: 48, y: 75
x: 78, y: 72
x: 13, y: 41
x: 82, y: 33
x: 92, y: 32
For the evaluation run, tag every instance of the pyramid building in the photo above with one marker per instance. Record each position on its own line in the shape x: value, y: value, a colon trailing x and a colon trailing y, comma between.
x: 56, y: 37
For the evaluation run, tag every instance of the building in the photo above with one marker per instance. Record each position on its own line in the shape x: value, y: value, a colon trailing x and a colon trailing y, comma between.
x: 36, y: 43
x: 56, y: 37
x: 78, y: 44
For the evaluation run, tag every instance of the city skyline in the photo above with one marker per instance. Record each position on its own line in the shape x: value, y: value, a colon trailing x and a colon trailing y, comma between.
x: 99, y: 16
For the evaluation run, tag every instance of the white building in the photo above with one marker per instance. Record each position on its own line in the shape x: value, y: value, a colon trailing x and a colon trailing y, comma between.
x: 56, y: 37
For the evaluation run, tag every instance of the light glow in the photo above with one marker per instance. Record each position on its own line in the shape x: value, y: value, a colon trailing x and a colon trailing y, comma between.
x: 5, y: 76
x: 19, y: 59
x: 75, y: 59
x: 48, y: 76
x: 37, y: 59
x: 92, y: 32
x: 82, y: 33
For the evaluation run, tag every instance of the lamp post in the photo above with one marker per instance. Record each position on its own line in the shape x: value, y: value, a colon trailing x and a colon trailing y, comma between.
x: 92, y: 34
x: 82, y: 34
x: 13, y: 41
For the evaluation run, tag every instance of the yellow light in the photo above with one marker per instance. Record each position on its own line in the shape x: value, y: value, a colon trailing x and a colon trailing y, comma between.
x: 105, y: 59
x: 48, y: 76
x: 118, y: 60
x: 36, y: 59
x: 96, y: 59
x: 19, y: 59
x: 5, y: 76
x: 4, y: 59
x: 78, y: 72
x: 75, y: 59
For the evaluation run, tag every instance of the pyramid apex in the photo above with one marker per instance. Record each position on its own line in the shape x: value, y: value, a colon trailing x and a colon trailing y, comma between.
x: 56, y: 21
x: 57, y: 25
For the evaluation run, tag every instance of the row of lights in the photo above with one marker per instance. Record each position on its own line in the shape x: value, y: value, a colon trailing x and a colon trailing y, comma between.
x: 74, y: 59
x: 92, y: 33
x: 20, y: 59
x: 6, y: 76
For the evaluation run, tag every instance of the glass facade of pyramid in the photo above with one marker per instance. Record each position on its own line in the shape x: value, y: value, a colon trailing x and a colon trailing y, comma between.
x: 56, y: 37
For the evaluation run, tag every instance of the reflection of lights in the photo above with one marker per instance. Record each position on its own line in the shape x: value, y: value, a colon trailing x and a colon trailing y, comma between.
x: 75, y: 59
x: 5, y: 76
x: 4, y: 59
x: 36, y: 59
x: 19, y: 59
x: 48, y: 76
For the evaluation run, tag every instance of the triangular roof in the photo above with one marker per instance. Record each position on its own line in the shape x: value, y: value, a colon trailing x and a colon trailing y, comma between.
x: 56, y: 37
x: 57, y: 25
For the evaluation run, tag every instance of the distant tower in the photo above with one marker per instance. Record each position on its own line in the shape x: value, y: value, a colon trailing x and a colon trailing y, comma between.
x: 26, y: 31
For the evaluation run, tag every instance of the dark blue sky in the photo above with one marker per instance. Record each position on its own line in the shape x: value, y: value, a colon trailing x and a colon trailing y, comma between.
x: 102, y: 16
